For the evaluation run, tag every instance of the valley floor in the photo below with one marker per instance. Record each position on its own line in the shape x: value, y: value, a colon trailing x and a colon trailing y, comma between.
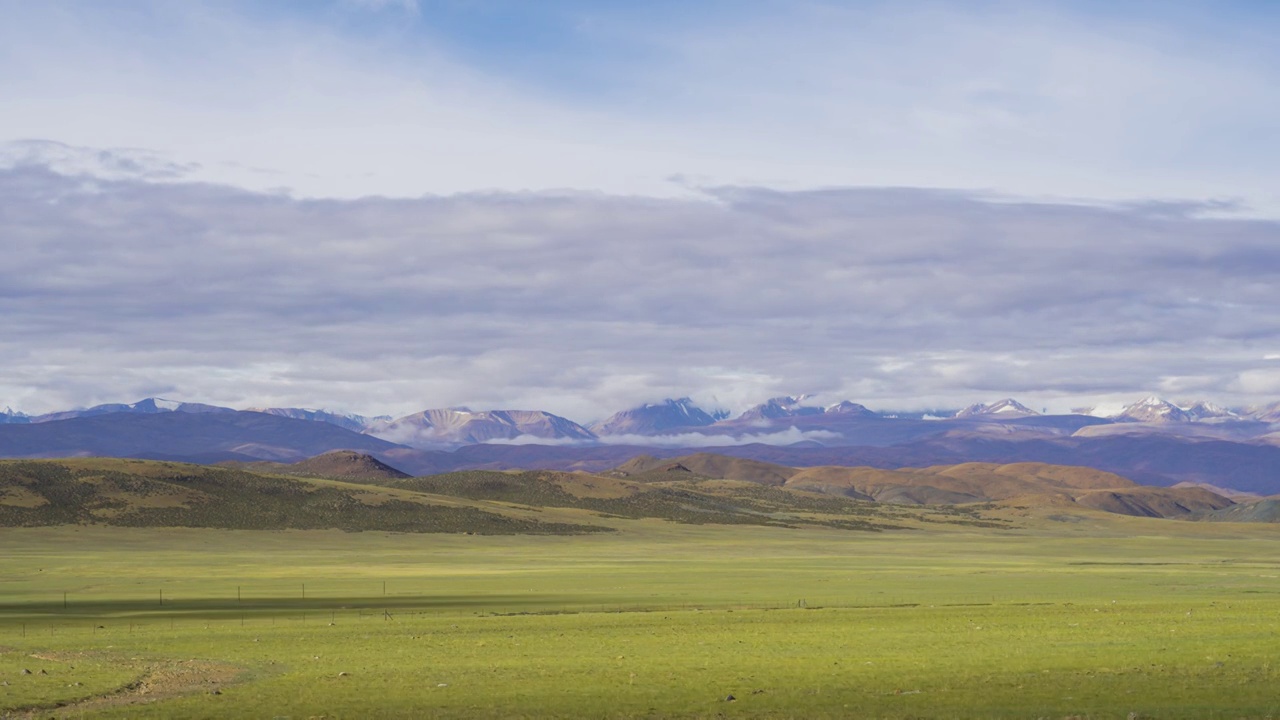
x: 1103, y: 617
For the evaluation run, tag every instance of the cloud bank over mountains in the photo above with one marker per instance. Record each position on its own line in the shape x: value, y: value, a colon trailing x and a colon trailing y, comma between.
x: 360, y: 204
x: 580, y: 303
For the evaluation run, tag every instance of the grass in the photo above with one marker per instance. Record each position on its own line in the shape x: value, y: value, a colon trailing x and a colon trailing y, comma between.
x: 138, y: 493
x: 1101, y: 618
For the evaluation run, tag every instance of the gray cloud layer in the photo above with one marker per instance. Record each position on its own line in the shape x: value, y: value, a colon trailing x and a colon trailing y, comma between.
x: 581, y: 304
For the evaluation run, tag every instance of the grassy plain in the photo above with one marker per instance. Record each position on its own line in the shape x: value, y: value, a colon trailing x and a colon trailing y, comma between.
x: 1104, y: 617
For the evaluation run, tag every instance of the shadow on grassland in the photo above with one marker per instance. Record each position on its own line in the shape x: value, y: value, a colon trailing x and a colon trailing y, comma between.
x: 217, y: 607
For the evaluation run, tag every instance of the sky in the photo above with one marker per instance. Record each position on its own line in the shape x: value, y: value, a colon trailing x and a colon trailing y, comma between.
x: 383, y: 206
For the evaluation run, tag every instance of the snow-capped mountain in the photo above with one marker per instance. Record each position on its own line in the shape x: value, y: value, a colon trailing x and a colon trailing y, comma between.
x: 9, y: 416
x: 149, y: 406
x: 782, y: 407
x: 850, y: 409
x: 1267, y: 413
x: 1154, y: 410
x: 657, y: 418
x: 461, y: 426
x: 350, y: 421
x: 1204, y: 410
x: 1006, y: 408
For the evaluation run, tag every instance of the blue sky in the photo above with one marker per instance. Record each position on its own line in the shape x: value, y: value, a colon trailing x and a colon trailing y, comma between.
x: 917, y: 204
x: 1084, y: 100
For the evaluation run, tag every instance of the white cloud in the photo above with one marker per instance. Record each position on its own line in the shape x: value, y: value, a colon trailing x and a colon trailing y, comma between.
x: 790, y: 436
x: 534, y: 440
x: 405, y: 5
x: 582, y: 304
x: 1046, y: 100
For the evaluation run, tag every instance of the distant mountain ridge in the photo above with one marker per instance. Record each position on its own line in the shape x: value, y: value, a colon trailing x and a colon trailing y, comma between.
x: 793, y: 421
x: 448, y: 426
x: 1007, y: 408
x: 657, y: 418
x: 462, y: 425
x: 148, y: 406
x: 781, y: 407
x: 350, y: 421
x: 1154, y: 409
x: 1199, y: 443
x: 191, y: 436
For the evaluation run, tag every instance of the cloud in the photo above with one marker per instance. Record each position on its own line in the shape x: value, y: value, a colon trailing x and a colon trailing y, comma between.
x: 110, y: 164
x: 585, y: 303
x: 790, y: 436
x: 410, y: 6
x: 535, y: 440
x: 352, y: 98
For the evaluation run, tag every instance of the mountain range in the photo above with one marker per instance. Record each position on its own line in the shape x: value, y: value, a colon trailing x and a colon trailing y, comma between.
x: 1151, y: 441
x: 461, y: 426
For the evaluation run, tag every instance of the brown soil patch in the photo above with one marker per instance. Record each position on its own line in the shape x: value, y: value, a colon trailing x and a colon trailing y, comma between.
x: 156, y: 681
x: 21, y: 497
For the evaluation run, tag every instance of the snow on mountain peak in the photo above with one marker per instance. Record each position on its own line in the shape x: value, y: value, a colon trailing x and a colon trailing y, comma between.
x: 847, y: 407
x: 1007, y: 407
x: 652, y: 418
x: 781, y: 407
x: 1205, y: 410
x: 1154, y: 409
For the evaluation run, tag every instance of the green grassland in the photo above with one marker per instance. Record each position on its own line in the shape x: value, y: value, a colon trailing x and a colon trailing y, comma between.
x: 134, y: 589
x: 1101, y: 617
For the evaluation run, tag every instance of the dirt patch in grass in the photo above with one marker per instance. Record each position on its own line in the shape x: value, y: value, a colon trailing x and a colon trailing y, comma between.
x: 156, y: 681
x: 21, y: 497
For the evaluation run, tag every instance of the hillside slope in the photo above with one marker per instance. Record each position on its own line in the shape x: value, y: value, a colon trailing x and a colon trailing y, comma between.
x: 1019, y: 484
x: 1266, y: 510
x: 346, y: 465
x: 160, y: 494
x: 710, y: 465
x: 683, y: 497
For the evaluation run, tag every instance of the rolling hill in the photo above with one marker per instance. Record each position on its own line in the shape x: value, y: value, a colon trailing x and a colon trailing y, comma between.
x: 339, y: 464
x: 352, y: 491
x: 681, y: 496
x: 139, y: 493
x: 1016, y: 484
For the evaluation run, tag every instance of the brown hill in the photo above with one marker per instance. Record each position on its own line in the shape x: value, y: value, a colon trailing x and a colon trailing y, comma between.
x: 967, y: 482
x: 709, y: 465
x: 1155, y: 502
x: 1024, y: 484
x: 143, y: 493
x: 1265, y: 510
x: 347, y: 465
x: 668, y: 491
x: 340, y: 465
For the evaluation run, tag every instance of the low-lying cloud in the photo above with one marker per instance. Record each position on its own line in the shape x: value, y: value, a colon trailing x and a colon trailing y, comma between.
x: 790, y: 436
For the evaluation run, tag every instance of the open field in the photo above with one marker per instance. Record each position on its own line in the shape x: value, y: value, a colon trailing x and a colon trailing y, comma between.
x: 1104, y: 617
